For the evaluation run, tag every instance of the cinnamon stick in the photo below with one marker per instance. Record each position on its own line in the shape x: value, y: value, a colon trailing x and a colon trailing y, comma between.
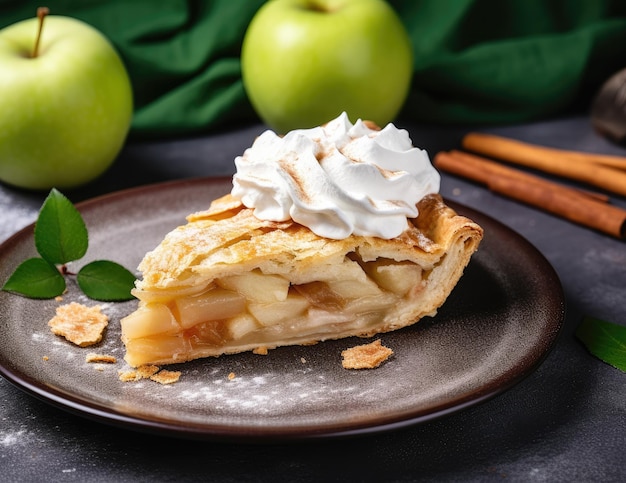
x: 606, y: 172
x: 477, y: 166
x: 565, y: 202
x: 571, y: 206
x: 617, y: 162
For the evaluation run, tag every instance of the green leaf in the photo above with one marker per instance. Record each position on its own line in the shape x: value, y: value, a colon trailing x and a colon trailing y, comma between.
x: 36, y: 278
x: 60, y: 232
x: 61, y: 237
x: 105, y: 280
x: 605, y: 340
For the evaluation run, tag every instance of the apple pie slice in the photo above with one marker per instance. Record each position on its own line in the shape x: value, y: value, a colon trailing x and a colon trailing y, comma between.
x: 229, y: 282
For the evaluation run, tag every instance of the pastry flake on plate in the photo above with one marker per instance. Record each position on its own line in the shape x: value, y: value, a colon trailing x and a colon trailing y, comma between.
x: 302, y: 261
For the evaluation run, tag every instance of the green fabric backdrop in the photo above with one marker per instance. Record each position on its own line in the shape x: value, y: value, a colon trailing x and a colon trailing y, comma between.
x: 476, y: 61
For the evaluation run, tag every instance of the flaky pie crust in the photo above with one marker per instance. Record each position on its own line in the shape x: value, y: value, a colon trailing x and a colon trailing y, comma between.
x: 227, y: 239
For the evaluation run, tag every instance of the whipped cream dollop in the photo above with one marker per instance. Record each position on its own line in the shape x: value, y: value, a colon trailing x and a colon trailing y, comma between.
x: 337, y: 179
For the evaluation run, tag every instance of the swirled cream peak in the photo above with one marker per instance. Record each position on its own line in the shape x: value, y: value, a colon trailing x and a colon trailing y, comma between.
x: 337, y: 179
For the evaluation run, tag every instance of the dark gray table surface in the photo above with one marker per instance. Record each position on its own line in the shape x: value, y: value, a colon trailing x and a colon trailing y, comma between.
x: 565, y: 422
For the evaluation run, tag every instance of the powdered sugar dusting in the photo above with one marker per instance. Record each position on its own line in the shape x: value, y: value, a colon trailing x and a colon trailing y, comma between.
x: 10, y: 438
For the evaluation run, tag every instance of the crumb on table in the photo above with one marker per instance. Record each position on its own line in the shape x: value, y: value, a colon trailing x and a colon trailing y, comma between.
x: 366, y: 356
x: 128, y: 376
x: 79, y: 324
x: 152, y: 372
x: 107, y: 359
x: 147, y: 371
x: 166, y: 377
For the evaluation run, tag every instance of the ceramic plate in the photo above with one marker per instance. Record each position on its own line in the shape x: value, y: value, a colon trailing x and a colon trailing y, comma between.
x: 495, y: 328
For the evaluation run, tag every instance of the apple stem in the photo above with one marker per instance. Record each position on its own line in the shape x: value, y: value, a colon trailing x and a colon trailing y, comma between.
x: 41, y: 14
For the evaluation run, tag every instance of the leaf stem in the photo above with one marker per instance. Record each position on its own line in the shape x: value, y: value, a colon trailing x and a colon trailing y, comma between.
x: 41, y: 14
x: 65, y: 271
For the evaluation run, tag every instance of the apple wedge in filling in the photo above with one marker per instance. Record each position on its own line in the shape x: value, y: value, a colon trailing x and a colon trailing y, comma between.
x: 228, y: 282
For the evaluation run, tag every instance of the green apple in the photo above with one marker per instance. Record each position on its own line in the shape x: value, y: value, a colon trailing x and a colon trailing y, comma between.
x: 65, y: 103
x: 305, y: 61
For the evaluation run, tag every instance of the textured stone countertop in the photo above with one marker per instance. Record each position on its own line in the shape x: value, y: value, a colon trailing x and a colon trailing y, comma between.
x: 564, y: 422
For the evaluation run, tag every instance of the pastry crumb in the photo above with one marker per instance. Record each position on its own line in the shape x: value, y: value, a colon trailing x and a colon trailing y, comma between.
x: 231, y: 376
x: 303, y: 360
x: 366, y: 356
x: 45, y: 358
x: 166, y: 377
x: 128, y: 376
x: 58, y: 298
x: 262, y: 351
x: 151, y: 372
x: 107, y: 359
x: 79, y: 324
x: 147, y: 371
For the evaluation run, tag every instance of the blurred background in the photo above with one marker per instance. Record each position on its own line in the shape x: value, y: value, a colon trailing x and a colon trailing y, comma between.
x: 476, y: 61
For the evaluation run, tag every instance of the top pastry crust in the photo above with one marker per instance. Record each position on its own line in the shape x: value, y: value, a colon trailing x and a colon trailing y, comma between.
x: 227, y: 239
x: 357, y: 286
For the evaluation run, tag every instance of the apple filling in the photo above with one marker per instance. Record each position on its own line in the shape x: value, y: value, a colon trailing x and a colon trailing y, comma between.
x: 246, y: 311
